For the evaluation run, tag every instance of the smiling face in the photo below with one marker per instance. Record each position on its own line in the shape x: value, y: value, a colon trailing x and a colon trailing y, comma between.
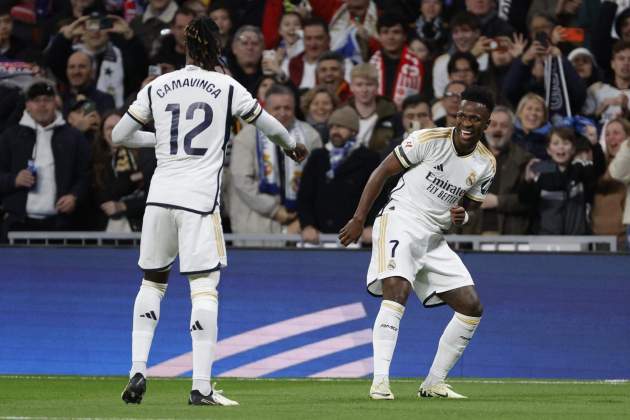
x: 321, y: 107
x: 560, y: 150
x: 532, y: 115
x: 614, y: 136
x: 499, y: 132
x: 290, y: 26
x: 330, y: 73
x: 472, y: 120
x: 392, y: 39
x: 282, y: 108
x: 79, y: 70
x: 464, y: 38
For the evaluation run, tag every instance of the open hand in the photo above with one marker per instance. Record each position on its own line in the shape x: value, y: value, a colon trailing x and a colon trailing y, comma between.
x: 351, y: 232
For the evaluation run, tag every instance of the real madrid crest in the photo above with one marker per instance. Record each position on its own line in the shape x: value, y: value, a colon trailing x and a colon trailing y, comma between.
x: 472, y: 177
x: 391, y: 265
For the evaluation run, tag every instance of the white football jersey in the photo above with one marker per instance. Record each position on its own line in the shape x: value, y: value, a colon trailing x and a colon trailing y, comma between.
x: 192, y: 110
x: 437, y: 177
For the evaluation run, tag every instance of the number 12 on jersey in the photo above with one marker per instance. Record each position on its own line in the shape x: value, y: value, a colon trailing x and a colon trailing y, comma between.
x: 174, y: 109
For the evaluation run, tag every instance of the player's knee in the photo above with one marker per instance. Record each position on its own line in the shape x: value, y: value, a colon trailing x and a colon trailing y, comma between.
x: 204, y: 286
x: 474, y: 308
x: 157, y: 276
x: 396, y: 289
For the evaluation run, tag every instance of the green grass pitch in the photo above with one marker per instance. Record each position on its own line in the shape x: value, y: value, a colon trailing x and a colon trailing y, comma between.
x: 88, y: 397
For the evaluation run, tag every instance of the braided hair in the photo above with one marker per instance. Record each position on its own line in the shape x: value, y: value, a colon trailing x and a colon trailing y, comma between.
x: 202, y: 42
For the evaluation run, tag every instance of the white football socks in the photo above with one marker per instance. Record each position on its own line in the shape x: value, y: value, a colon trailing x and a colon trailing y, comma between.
x: 384, y: 336
x: 146, y: 313
x: 203, y: 328
x: 453, y: 342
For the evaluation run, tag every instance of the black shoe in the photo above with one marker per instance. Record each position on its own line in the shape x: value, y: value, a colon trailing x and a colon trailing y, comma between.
x: 197, y: 398
x: 135, y: 389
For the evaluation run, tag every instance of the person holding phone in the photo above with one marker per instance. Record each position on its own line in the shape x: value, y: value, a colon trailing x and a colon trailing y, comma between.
x: 563, y: 186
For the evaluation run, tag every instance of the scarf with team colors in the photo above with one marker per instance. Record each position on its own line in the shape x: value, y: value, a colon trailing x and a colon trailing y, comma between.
x: 338, y: 155
x: 268, y: 154
x: 409, y: 75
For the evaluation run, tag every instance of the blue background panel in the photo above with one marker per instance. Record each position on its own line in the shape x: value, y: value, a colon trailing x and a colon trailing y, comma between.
x: 68, y: 311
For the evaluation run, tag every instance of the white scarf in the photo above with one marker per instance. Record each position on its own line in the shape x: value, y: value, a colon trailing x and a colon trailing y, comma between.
x: 269, y: 170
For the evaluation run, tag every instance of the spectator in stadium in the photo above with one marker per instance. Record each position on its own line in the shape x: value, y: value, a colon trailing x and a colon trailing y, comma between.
x: 609, y: 100
x: 301, y: 68
x: 376, y: 113
x: 198, y: 7
x: 610, y: 194
x: 503, y: 212
x: 85, y: 117
x: 526, y: 74
x: 430, y: 26
x: 561, y: 187
x: 291, y: 38
x: 220, y: 14
x: 466, y: 35
x: 82, y: 86
x: 416, y: 115
x: 118, y: 55
x: 501, y: 58
x: 330, y: 72
x: 261, y: 199
x: 421, y: 48
x: 317, y: 105
x: 607, y: 20
x: 43, y: 166
x: 244, y: 62
x: 120, y: 180
x: 532, y: 127
x: 157, y: 16
x: 334, y: 177
x: 449, y: 104
x: 11, y: 47
x: 491, y: 24
x: 353, y: 29
x: 400, y: 71
x: 462, y: 67
x: 585, y: 66
x: 619, y: 170
x: 171, y: 51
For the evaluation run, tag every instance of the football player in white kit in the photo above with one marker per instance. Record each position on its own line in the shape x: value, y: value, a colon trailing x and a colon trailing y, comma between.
x: 192, y: 109
x: 447, y: 172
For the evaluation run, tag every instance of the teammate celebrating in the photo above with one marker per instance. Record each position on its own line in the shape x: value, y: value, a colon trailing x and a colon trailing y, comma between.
x: 192, y: 109
x: 443, y: 168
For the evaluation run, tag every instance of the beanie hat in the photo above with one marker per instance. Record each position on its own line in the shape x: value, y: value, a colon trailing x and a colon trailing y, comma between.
x: 345, y: 117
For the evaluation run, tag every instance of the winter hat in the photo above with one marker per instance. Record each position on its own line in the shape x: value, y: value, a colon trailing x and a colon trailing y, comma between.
x: 345, y: 117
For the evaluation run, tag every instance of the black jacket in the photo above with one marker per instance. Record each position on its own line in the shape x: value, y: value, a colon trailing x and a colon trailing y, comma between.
x: 72, y: 157
x: 104, y: 101
x: 327, y: 204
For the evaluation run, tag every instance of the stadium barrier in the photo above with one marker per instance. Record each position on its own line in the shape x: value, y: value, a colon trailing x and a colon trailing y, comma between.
x: 305, y: 313
x: 509, y: 243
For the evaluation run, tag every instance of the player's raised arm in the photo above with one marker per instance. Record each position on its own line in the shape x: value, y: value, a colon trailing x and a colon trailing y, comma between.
x: 352, y: 231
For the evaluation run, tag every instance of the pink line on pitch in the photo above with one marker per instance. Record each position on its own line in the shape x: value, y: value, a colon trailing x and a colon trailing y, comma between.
x: 264, y: 335
x: 302, y: 354
x: 357, y: 369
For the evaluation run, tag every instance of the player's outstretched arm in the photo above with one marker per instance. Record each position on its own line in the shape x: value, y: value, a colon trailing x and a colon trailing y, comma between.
x: 352, y: 231
x: 280, y: 136
x: 126, y: 133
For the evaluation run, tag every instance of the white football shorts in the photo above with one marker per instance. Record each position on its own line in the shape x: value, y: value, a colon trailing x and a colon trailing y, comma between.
x: 197, y: 238
x: 403, y: 247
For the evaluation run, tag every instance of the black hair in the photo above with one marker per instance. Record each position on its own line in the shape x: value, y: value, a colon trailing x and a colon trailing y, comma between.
x: 202, y: 42
x: 183, y: 11
x: 414, y: 100
x: 316, y: 21
x: 5, y: 9
x: 461, y: 55
x: 332, y: 55
x: 217, y: 5
x: 480, y: 95
x: 620, y: 46
x: 389, y: 20
x: 465, y: 19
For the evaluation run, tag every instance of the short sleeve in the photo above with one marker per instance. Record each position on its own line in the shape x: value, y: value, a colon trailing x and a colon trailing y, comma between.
x: 244, y: 105
x: 414, y: 149
x: 480, y: 188
x: 140, y: 109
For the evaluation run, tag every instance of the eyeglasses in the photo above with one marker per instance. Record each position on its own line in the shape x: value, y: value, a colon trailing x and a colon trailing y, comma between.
x: 452, y: 95
x: 475, y: 119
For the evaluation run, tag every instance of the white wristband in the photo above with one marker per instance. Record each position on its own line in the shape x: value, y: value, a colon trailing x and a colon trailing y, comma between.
x: 466, y: 218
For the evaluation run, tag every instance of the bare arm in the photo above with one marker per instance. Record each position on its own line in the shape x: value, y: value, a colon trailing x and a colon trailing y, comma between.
x: 127, y: 133
x: 352, y: 231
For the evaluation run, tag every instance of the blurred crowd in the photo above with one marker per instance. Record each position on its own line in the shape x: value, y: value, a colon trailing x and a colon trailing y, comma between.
x: 348, y: 78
